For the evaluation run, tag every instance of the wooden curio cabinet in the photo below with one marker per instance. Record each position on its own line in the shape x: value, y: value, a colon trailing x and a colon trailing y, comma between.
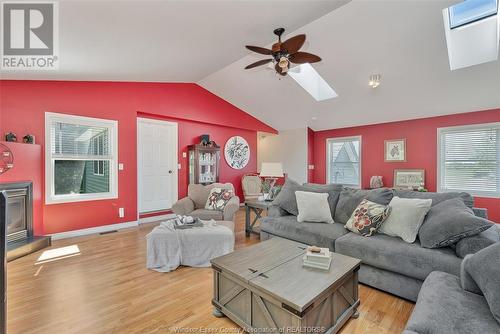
x: 203, y: 164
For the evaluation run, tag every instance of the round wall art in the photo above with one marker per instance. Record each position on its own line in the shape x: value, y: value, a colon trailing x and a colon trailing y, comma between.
x: 237, y: 152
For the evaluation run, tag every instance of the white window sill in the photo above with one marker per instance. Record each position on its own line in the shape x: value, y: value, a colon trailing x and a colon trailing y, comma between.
x: 79, y: 198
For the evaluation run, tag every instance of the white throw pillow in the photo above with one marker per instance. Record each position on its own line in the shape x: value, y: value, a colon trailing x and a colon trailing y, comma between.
x: 313, y: 207
x: 406, y: 217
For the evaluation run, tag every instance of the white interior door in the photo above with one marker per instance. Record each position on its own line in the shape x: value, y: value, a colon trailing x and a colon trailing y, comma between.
x: 156, y: 164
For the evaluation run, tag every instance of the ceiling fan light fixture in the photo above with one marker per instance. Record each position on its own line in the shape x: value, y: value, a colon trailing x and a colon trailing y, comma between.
x: 283, y: 63
x: 374, y: 81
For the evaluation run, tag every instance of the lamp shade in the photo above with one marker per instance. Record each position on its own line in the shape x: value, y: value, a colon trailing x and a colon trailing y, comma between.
x: 271, y: 169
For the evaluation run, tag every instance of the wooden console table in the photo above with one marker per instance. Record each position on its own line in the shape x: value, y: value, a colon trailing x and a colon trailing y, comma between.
x: 256, y: 207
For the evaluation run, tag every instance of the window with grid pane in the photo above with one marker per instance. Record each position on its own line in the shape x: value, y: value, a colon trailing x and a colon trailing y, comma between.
x: 80, y: 158
x: 469, y: 159
x: 344, y: 161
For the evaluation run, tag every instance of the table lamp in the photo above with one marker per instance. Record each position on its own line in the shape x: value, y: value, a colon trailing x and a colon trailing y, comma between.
x: 271, y: 171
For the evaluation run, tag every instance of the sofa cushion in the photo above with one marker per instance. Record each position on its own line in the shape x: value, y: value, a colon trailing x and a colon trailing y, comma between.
x: 436, y: 197
x: 473, y: 244
x: 448, y: 222
x: 443, y: 307
x: 367, y: 218
x: 207, y: 214
x: 318, y: 234
x: 466, y: 280
x: 350, y: 198
x: 287, y: 200
x: 484, y: 268
x: 391, y: 253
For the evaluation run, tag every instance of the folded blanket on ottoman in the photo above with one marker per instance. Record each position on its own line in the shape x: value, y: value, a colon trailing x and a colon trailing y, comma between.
x: 168, y: 247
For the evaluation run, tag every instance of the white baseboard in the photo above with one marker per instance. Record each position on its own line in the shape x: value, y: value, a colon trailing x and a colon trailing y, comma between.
x: 153, y: 219
x: 92, y: 230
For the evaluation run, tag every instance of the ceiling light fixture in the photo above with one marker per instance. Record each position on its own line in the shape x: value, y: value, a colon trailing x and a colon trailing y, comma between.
x: 374, y: 80
x: 283, y: 63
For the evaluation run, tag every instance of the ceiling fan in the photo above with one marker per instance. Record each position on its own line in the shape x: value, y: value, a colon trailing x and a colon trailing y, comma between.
x: 284, y: 53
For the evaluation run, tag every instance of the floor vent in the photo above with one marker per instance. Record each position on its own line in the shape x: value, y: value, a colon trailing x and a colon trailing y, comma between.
x: 108, y: 232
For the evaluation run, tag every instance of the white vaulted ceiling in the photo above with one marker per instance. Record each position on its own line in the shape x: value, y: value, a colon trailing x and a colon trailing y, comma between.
x: 203, y: 42
x: 402, y: 40
x: 166, y: 41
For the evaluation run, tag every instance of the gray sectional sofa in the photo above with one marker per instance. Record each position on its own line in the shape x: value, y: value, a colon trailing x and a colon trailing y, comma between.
x: 388, y: 263
x: 448, y: 304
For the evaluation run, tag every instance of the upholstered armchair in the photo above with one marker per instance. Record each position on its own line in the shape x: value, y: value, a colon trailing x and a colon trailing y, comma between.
x: 194, y: 204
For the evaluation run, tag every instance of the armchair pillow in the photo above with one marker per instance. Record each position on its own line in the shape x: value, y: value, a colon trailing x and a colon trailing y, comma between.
x: 313, y: 207
x: 407, y: 215
x: 448, y: 222
x: 484, y: 268
x: 218, y: 198
x: 367, y: 218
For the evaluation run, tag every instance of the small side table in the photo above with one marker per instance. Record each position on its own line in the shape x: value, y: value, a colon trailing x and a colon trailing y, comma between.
x: 257, y: 207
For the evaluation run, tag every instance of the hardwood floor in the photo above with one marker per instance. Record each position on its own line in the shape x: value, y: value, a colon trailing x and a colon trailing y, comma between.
x: 106, y: 288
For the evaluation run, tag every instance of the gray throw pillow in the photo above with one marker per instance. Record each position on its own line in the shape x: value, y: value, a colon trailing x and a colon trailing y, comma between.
x: 287, y: 200
x: 474, y: 244
x: 484, y: 268
x: 436, y: 197
x: 350, y: 199
x: 448, y: 222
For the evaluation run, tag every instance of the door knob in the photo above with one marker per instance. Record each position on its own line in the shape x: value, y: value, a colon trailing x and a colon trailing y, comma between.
x: 170, y: 171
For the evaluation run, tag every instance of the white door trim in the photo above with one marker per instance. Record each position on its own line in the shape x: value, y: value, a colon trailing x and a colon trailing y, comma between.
x: 175, y: 151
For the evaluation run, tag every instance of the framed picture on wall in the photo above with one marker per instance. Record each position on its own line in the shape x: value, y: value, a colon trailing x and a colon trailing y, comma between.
x: 409, y: 178
x: 395, y: 150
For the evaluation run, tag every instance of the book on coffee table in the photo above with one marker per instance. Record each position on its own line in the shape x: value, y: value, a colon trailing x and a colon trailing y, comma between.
x: 316, y: 257
x: 307, y: 263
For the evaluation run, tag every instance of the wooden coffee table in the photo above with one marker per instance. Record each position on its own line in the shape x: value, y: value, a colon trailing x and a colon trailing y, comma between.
x: 266, y: 287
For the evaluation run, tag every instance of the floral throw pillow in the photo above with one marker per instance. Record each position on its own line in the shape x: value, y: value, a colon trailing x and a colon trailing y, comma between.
x: 218, y: 198
x: 367, y: 218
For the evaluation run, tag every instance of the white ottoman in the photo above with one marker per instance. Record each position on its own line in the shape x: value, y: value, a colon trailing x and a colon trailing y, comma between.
x: 169, y: 248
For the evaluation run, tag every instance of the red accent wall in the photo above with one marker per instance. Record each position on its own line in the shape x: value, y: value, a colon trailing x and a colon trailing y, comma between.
x: 189, y: 133
x: 310, y: 155
x: 421, y: 141
x: 22, y: 110
x: 28, y: 167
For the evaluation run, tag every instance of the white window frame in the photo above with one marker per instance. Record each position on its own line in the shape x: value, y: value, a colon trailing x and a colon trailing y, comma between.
x: 328, y: 159
x: 112, y: 126
x: 440, y: 159
x: 99, y: 171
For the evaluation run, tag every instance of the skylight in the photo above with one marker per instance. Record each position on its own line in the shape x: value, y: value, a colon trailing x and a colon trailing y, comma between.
x: 307, y: 77
x: 470, y: 11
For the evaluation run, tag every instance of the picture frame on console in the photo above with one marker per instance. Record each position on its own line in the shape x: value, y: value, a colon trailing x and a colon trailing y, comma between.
x: 409, y: 178
x: 395, y: 150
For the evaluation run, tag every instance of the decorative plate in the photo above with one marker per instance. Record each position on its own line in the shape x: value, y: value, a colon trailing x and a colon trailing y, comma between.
x: 237, y: 152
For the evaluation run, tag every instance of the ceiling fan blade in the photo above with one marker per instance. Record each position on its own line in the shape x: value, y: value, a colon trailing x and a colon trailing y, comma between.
x: 258, y: 63
x: 293, y: 44
x: 303, y: 57
x: 258, y: 49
